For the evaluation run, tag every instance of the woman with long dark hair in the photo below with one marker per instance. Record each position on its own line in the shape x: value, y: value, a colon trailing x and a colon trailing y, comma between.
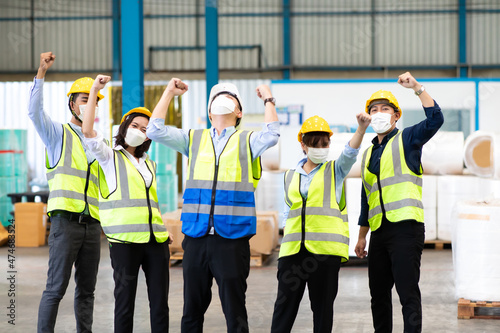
x: 130, y: 215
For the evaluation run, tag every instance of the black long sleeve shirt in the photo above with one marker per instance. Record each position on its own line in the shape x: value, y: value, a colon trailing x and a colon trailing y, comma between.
x: 414, y: 138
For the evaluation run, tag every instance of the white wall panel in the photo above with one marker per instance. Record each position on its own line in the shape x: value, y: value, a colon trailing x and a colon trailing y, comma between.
x: 484, y: 38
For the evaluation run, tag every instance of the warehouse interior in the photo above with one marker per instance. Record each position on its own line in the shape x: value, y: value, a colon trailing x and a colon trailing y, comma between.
x: 321, y: 58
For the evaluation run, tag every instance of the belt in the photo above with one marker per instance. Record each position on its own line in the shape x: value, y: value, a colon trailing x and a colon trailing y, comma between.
x: 77, y: 217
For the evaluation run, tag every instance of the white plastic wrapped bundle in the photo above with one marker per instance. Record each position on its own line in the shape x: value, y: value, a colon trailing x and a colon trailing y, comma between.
x: 450, y: 190
x: 353, y: 199
x: 429, y: 200
x: 443, y: 154
x: 338, y: 142
x: 476, y: 250
x: 270, y: 194
x: 482, y: 154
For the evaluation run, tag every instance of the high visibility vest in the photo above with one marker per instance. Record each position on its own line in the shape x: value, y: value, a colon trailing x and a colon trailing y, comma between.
x: 397, y: 191
x: 73, y: 181
x: 223, y: 191
x: 318, y: 221
x: 130, y: 213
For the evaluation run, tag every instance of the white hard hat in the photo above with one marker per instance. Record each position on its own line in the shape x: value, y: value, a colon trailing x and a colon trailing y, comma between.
x: 224, y: 88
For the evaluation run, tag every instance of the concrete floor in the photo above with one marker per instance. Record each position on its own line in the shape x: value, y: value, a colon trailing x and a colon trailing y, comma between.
x: 352, y: 306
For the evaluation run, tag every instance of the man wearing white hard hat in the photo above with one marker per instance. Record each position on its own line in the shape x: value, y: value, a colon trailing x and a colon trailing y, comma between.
x: 218, y: 214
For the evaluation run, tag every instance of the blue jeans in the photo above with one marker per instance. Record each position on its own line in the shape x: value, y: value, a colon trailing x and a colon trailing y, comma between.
x: 71, y: 243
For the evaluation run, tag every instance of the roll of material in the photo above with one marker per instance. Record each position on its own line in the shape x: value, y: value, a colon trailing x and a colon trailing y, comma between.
x: 476, y: 250
x: 270, y: 194
x: 430, y: 221
x: 482, y: 154
x: 443, y: 154
x: 450, y: 190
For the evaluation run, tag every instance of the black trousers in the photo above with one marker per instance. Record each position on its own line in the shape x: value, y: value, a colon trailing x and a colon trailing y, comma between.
x: 394, y: 258
x: 226, y: 260
x: 321, y: 274
x: 126, y: 260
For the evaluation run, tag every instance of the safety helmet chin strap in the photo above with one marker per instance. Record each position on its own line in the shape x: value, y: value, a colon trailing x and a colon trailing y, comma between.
x: 73, y: 111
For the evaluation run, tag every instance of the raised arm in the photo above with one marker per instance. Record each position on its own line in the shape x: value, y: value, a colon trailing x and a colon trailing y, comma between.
x: 89, y: 117
x: 408, y: 81
x: 174, y: 88
x: 364, y: 120
x: 264, y: 92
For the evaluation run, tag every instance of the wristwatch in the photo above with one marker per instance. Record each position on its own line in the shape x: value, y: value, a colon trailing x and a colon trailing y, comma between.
x: 270, y: 99
x: 420, y: 91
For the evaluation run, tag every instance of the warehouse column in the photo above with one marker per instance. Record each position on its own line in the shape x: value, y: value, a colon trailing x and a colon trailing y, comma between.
x: 286, y: 39
x: 116, y: 41
x: 132, y: 54
x: 211, y: 46
x: 462, y: 37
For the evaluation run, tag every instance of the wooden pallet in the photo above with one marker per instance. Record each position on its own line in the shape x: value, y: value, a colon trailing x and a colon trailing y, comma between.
x: 437, y: 244
x: 255, y: 259
x: 258, y: 259
x: 468, y: 309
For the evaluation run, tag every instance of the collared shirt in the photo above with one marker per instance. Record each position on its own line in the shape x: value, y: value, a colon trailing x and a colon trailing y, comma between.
x: 51, y: 132
x: 178, y: 139
x: 342, y: 167
x: 414, y: 138
x: 105, y: 156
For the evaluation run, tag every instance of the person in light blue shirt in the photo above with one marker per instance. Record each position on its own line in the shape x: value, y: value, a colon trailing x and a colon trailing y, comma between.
x: 75, y: 231
x: 315, y: 230
x: 218, y: 215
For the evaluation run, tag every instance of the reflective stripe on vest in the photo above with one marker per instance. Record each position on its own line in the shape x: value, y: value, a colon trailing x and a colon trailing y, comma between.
x: 73, y: 181
x: 223, y: 191
x: 130, y: 213
x: 401, y: 192
x: 321, y: 225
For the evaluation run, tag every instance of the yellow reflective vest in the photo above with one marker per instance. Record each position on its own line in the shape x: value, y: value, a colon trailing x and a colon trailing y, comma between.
x: 130, y: 213
x: 318, y: 221
x: 73, y: 181
x: 397, y: 191
x: 223, y: 191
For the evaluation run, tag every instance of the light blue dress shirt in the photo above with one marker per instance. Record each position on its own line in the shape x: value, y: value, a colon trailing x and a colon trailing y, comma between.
x: 343, y: 165
x: 178, y: 139
x: 51, y: 132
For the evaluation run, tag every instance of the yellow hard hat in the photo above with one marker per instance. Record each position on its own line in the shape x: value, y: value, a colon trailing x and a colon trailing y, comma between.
x: 314, y: 124
x: 83, y: 85
x: 383, y: 94
x: 140, y: 109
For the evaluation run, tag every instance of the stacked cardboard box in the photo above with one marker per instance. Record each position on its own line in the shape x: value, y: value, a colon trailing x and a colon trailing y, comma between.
x: 31, y: 223
x: 264, y: 242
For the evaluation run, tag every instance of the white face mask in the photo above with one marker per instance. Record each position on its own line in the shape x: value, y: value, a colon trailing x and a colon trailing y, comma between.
x: 134, y: 137
x: 222, y: 105
x: 318, y: 155
x: 381, y: 122
x: 82, y: 111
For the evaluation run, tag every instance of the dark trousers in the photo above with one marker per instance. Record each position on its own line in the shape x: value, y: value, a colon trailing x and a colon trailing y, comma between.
x: 321, y: 274
x: 126, y: 260
x: 394, y: 258
x: 71, y: 243
x: 226, y: 260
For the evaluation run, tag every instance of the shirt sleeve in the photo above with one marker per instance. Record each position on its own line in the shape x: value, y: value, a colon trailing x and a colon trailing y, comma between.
x: 170, y: 136
x: 262, y: 140
x: 414, y: 137
x: 343, y: 165
x: 363, y: 216
x: 105, y: 156
x: 51, y: 132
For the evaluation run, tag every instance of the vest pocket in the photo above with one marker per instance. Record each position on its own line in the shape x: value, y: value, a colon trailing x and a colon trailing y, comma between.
x: 191, y: 204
